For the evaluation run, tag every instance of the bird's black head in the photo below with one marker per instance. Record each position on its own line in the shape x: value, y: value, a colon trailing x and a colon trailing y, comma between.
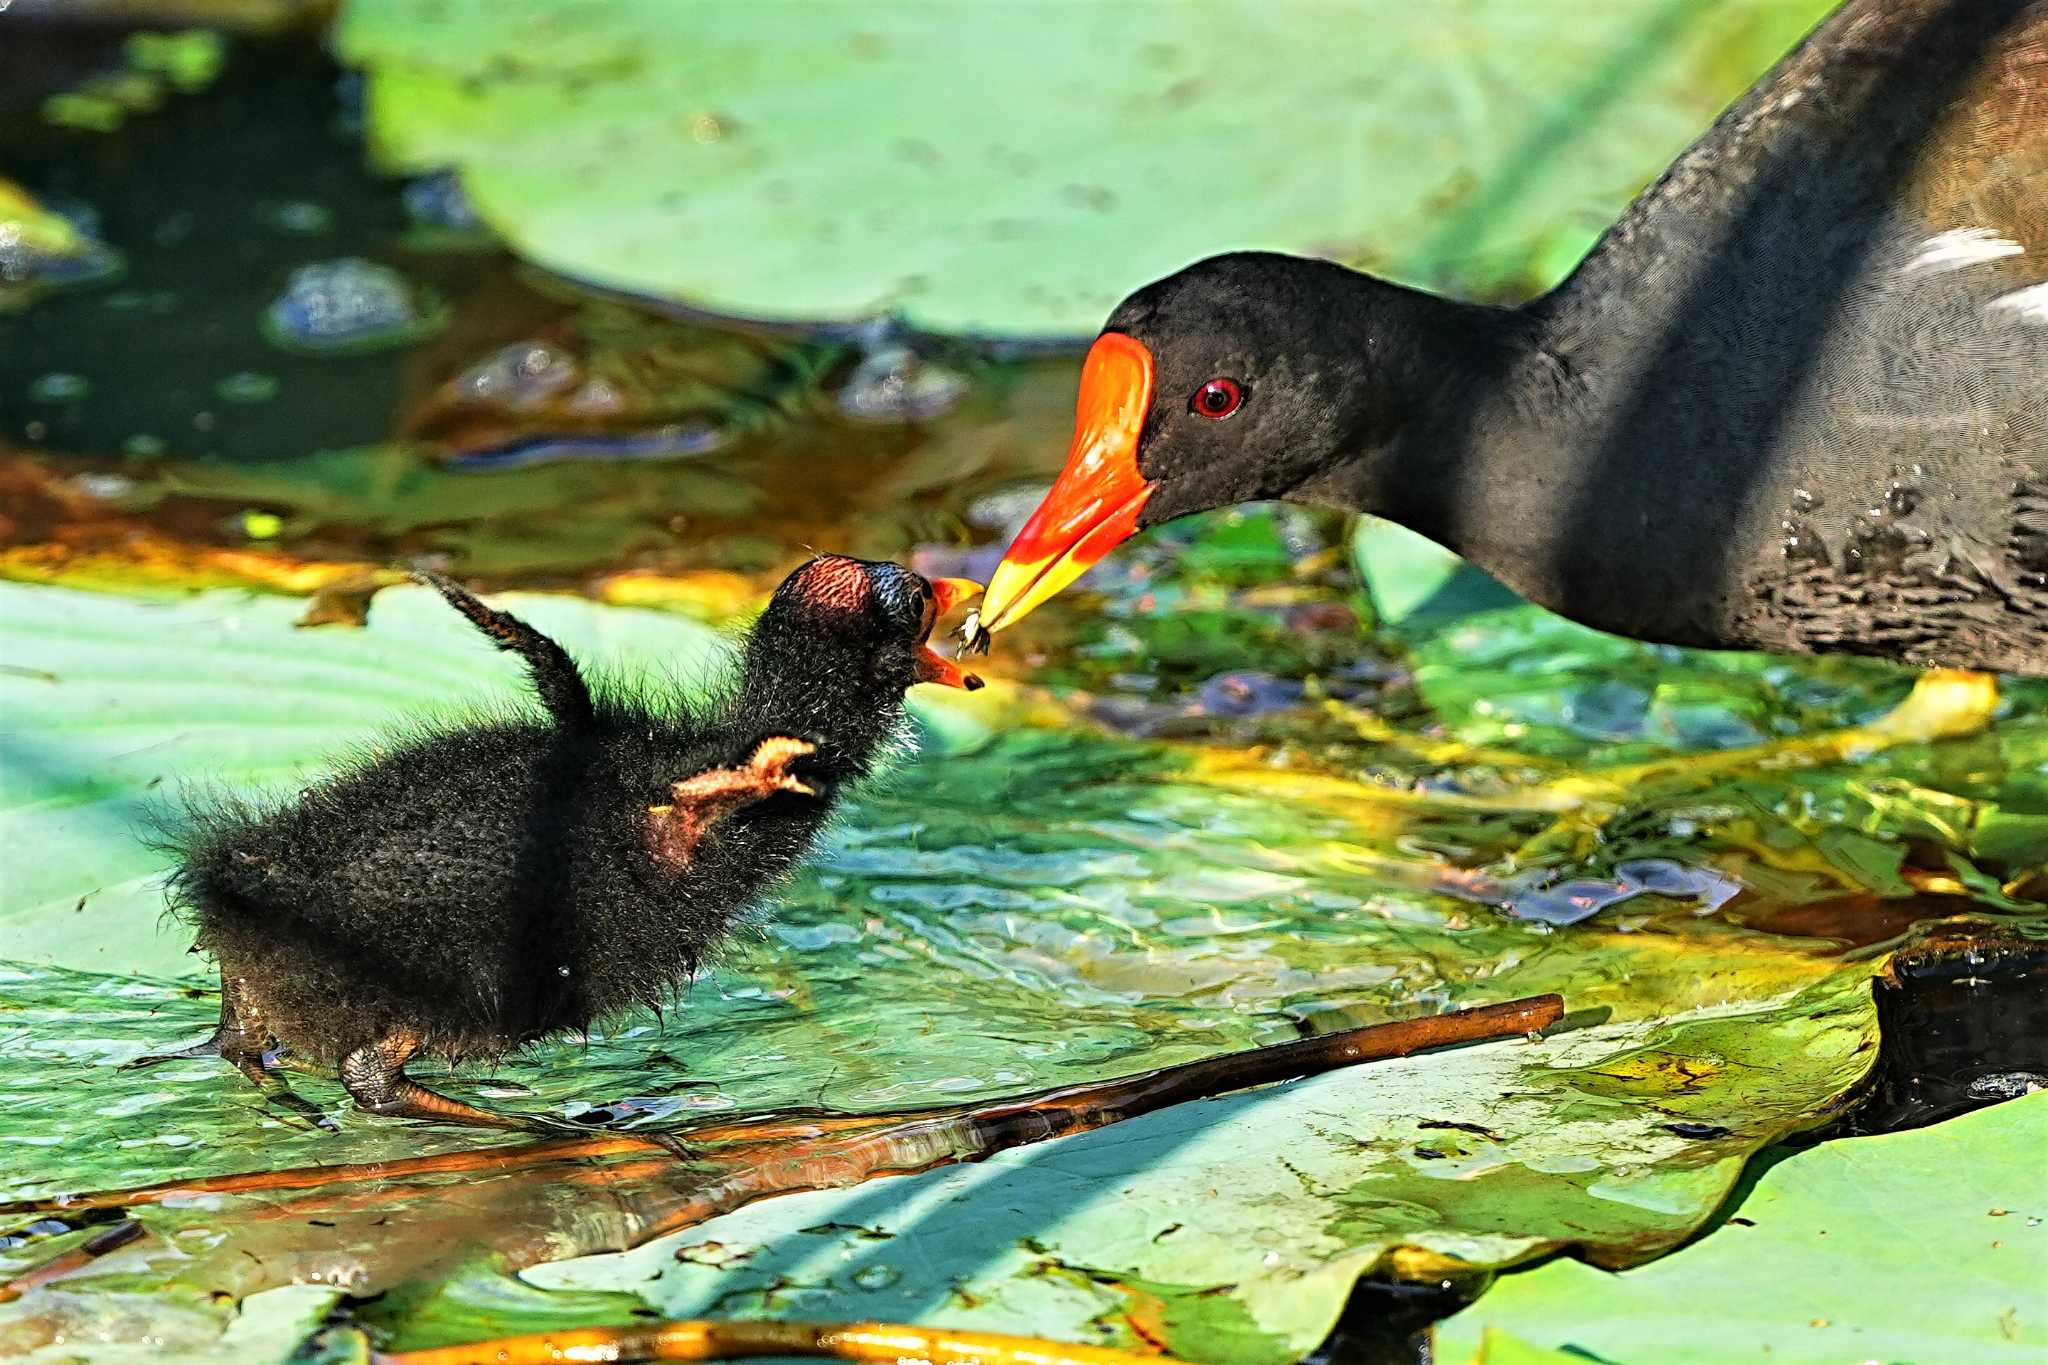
x: 1240, y: 378
x: 1263, y: 372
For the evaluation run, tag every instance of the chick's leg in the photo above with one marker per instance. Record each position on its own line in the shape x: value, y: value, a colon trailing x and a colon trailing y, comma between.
x: 242, y: 1039
x: 375, y: 1077
x: 239, y: 1037
x: 674, y: 830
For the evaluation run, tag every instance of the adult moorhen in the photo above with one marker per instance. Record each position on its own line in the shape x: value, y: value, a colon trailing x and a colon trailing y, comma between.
x: 1796, y: 399
x: 477, y: 887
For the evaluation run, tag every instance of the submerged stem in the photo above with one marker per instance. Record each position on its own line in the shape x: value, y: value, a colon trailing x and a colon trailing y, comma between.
x: 506, y: 1208
x: 57, y: 1267
x: 701, y: 1340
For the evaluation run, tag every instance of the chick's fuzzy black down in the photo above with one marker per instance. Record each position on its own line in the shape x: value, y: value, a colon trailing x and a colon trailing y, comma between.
x: 489, y: 883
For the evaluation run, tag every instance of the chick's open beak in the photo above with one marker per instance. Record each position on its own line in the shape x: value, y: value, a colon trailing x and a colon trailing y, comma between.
x: 1094, y: 505
x: 947, y: 593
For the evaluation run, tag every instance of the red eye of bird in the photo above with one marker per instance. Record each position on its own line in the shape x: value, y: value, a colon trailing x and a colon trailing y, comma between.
x: 1217, y: 399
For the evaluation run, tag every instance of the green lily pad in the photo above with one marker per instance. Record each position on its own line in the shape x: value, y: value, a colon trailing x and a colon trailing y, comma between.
x: 1018, y: 169
x: 1921, y: 1246
x: 1499, y: 1348
x: 1417, y: 585
x: 1262, y: 1209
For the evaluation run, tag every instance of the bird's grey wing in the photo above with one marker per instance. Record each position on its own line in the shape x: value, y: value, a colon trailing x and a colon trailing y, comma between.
x: 1844, y: 381
x: 1928, y: 409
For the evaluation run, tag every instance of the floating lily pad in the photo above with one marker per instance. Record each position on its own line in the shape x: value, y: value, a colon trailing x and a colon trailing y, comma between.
x: 1920, y: 1246
x: 41, y: 250
x: 1259, y: 1211
x: 1017, y: 172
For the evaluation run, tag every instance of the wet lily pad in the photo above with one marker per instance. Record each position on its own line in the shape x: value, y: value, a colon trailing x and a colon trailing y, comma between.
x: 1018, y: 174
x: 1926, y: 1245
x: 1261, y: 1210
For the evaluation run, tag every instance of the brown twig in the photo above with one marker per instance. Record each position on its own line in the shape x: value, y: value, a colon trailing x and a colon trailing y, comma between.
x: 513, y: 1205
x: 505, y: 1157
x: 517, y: 1208
x: 980, y: 1131
x: 871, y: 1341
x: 94, y: 1247
x: 1092, y: 1106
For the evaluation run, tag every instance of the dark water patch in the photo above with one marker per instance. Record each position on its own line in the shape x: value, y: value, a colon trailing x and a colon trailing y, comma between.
x: 1963, y: 1018
x: 1858, y: 920
x: 248, y: 188
x: 43, y: 59
x: 1387, y: 1322
x: 215, y: 200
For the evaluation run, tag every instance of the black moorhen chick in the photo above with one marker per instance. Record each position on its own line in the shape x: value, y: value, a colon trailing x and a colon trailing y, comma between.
x: 477, y: 887
x: 1796, y: 399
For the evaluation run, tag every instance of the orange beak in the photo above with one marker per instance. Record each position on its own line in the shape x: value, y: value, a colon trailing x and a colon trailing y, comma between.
x: 1094, y: 505
x: 947, y: 593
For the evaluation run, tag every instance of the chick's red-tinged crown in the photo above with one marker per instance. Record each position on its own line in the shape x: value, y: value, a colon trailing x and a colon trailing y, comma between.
x: 835, y: 583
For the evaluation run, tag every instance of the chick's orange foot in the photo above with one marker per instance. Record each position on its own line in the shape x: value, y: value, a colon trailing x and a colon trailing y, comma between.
x: 471, y: 889
x: 375, y: 1078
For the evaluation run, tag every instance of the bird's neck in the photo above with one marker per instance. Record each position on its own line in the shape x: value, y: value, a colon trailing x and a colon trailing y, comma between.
x: 1631, y: 452
x: 1482, y: 452
x: 796, y: 685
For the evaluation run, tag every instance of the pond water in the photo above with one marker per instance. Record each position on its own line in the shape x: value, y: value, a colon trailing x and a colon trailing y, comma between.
x: 1222, y: 797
